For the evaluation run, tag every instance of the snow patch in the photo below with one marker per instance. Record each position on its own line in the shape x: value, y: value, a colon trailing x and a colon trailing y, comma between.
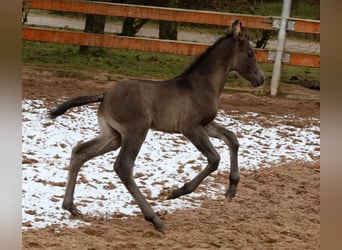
x: 164, y: 162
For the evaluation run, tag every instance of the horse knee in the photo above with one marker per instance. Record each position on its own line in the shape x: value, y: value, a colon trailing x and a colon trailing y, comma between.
x: 214, y: 161
x: 233, y: 141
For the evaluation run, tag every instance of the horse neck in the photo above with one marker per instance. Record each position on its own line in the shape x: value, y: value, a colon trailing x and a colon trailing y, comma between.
x: 212, y: 71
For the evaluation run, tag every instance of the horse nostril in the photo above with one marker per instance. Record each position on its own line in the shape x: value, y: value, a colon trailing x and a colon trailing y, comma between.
x: 260, y: 81
x: 262, y: 78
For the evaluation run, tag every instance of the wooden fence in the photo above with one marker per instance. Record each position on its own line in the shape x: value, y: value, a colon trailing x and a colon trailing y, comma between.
x: 167, y: 14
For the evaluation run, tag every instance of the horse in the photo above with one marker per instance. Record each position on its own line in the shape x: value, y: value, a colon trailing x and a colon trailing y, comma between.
x: 186, y: 104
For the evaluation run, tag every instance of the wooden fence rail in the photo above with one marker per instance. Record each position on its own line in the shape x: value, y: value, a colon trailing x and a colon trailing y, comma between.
x: 171, y: 14
x: 151, y: 45
x: 168, y: 14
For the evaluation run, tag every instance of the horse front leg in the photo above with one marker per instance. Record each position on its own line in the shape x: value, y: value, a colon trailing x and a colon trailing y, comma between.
x: 199, y: 137
x: 217, y: 131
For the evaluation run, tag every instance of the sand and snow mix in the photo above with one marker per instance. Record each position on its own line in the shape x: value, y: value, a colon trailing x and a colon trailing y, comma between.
x: 165, y: 161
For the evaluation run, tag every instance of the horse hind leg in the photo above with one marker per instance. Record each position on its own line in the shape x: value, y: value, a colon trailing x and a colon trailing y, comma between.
x: 123, y: 166
x: 219, y: 132
x: 80, y: 154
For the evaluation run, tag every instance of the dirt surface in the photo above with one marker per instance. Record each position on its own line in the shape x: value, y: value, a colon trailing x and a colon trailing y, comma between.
x: 276, y: 207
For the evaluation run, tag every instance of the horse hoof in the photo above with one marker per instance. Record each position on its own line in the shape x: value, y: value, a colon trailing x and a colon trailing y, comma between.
x: 176, y: 193
x: 73, y: 210
x: 170, y: 196
x: 160, y: 227
x: 231, y: 193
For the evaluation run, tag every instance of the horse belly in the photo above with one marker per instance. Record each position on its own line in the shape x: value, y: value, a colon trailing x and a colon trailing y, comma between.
x: 167, y: 116
x: 165, y: 122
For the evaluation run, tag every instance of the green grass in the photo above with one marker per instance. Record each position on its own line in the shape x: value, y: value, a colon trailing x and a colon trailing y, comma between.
x: 305, y: 10
x: 125, y: 62
x: 138, y: 63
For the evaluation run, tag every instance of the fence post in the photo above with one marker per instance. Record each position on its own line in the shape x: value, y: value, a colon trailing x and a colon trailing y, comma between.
x: 280, y: 47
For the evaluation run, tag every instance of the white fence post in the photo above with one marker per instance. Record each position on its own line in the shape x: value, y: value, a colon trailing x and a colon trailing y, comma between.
x: 280, y: 47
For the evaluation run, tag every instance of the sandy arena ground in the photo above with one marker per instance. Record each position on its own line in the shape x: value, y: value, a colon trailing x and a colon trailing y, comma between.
x: 277, y: 207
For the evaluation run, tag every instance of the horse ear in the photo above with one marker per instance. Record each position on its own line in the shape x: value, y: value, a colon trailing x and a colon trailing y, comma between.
x: 237, y: 30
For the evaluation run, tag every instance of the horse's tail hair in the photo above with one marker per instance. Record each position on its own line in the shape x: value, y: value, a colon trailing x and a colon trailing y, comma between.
x: 74, y: 102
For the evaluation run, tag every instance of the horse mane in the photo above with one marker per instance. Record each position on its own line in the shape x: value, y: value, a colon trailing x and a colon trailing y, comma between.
x: 204, y: 55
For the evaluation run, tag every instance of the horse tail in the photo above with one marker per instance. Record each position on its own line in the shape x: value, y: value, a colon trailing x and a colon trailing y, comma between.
x: 74, y: 102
